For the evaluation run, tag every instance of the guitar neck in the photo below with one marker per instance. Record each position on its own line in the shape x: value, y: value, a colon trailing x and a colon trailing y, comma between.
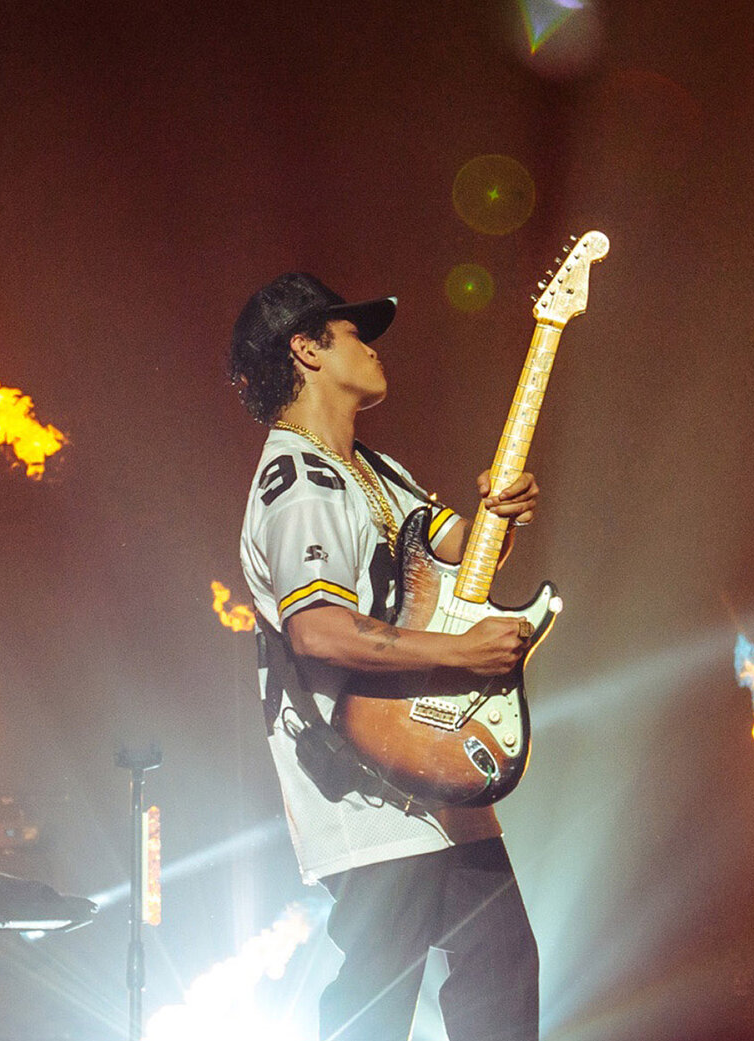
x: 485, y: 542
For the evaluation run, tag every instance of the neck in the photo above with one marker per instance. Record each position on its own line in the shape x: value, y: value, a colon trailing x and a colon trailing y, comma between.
x: 334, y: 425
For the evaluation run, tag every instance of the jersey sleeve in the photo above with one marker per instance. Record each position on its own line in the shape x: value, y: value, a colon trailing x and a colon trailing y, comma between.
x: 306, y: 534
x: 443, y: 519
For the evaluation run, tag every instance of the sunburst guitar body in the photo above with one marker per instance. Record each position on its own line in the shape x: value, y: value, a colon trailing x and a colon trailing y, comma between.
x: 451, y: 737
x: 448, y: 736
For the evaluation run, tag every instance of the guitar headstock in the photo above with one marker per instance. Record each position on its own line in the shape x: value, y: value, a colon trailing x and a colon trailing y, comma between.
x: 565, y: 295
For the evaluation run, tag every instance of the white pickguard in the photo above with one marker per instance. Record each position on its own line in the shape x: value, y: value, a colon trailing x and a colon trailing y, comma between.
x: 498, y: 708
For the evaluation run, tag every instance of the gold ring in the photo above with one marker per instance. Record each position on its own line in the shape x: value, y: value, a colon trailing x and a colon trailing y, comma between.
x: 525, y: 629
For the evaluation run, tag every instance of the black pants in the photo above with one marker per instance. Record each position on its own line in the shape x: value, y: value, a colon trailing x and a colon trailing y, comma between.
x: 464, y: 900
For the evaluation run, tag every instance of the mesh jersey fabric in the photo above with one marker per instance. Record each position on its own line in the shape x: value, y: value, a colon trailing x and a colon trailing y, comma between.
x: 309, y: 538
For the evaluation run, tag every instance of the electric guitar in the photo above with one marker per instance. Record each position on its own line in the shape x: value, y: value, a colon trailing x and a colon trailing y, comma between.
x: 449, y: 736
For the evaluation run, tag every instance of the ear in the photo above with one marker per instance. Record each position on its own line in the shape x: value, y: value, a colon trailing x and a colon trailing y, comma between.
x: 306, y: 352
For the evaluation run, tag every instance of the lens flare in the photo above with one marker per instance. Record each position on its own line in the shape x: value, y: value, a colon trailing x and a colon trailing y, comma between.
x: 743, y: 663
x: 469, y: 287
x: 493, y: 194
x: 542, y: 18
x: 239, y: 618
x: 30, y: 442
x: 559, y: 39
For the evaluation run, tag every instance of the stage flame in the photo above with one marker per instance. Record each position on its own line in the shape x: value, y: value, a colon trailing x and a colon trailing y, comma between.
x: 220, y: 1003
x: 743, y: 663
x: 30, y: 442
x: 239, y: 618
x: 151, y: 900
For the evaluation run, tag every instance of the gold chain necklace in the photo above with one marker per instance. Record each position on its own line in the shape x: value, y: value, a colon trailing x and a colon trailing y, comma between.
x: 379, y: 507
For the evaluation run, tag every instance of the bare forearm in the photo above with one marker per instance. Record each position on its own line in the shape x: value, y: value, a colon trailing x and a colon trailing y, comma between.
x: 355, y: 641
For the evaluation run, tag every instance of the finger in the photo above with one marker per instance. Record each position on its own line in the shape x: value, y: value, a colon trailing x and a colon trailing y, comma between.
x: 483, y: 483
x: 523, y: 520
x: 521, y: 502
x: 523, y: 511
x: 531, y: 491
x: 521, y: 486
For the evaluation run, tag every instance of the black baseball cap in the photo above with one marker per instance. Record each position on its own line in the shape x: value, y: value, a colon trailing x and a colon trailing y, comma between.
x: 292, y: 300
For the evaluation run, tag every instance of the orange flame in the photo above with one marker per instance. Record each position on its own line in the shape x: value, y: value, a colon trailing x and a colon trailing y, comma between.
x: 240, y: 618
x: 30, y: 441
x: 151, y: 911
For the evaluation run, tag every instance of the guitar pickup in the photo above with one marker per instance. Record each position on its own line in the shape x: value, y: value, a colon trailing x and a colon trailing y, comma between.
x: 436, y: 713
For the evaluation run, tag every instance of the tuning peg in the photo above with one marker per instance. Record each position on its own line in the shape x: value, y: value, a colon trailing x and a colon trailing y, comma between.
x: 573, y: 238
x: 534, y: 297
x: 548, y: 272
x: 558, y: 261
x: 542, y: 285
x: 566, y: 249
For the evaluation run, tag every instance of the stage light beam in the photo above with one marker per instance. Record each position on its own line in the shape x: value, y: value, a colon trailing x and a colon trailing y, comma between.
x: 255, y: 838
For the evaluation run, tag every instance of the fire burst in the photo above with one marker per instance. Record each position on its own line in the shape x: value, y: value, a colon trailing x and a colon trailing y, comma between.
x: 240, y: 618
x: 30, y: 442
x: 221, y: 1003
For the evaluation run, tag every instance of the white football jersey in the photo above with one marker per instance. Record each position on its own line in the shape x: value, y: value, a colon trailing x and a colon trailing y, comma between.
x: 309, y: 538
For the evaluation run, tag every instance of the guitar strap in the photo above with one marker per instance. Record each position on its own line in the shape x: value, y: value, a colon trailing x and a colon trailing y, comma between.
x: 383, y: 467
x: 327, y: 759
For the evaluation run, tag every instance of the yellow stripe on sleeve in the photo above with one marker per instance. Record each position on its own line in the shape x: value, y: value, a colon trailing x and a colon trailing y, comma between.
x: 319, y: 585
x: 438, y: 522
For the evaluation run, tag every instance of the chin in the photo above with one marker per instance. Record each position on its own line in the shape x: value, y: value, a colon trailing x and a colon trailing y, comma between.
x: 374, y: 399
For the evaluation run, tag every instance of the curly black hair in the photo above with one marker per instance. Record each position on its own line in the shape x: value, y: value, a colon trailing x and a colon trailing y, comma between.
x: 262, y: 367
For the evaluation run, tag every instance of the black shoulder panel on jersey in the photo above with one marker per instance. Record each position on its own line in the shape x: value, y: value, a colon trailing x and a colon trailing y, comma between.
x: 381, y: 571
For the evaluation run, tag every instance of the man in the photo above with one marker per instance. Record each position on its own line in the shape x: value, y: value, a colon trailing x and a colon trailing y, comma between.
x: 317, y: 551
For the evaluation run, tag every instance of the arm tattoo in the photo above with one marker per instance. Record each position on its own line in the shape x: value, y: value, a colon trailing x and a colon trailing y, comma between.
x: 371, y: 627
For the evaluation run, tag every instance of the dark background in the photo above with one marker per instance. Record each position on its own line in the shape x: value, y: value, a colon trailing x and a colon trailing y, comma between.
x: 160, y: 162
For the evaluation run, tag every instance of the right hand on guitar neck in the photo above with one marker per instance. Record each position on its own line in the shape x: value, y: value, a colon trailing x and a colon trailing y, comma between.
x: 492, y: 646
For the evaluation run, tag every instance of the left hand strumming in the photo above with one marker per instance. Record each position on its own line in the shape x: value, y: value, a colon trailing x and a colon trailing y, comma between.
x: 518, y: 501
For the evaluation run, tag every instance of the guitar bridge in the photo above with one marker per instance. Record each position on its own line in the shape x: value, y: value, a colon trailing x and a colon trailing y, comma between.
x: 436, y: 713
